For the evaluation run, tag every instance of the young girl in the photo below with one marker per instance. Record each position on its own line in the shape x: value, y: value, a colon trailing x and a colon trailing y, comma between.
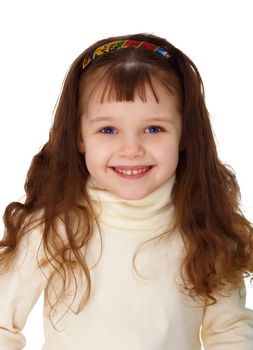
x: 131, y: 223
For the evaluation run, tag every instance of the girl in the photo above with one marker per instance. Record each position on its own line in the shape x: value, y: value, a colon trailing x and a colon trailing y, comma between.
x: 131, y: 223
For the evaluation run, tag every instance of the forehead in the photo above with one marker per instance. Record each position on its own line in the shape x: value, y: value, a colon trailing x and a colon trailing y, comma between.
x: 99, y: 92
x: 130, y: 114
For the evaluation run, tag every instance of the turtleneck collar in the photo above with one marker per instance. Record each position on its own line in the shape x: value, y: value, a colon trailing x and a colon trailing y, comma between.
x: 151, y: 212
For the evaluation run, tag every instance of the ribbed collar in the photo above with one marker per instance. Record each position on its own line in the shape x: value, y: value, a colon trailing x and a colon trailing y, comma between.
x: 146, y: 214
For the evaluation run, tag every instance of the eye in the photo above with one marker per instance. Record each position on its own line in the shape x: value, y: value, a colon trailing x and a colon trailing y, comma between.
x: 155, y: 127
x: 107, y: 129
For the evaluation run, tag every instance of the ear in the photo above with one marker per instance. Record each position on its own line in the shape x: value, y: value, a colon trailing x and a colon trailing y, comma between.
x: 181, y: 145
x: 181, y: 148
x: 80, y: 143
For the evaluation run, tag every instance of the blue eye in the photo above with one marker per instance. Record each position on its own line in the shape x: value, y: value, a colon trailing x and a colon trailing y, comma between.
x: 107, y: 128
x: 155, y: 127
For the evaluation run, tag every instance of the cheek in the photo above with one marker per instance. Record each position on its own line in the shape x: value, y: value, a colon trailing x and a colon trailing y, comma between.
x: 100, y: 149
x: 170, y: 145
x: 95, y: 154
x: 168, y: 152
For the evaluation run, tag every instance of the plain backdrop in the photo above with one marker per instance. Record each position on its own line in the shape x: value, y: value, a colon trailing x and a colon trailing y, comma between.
x: 40, y: 39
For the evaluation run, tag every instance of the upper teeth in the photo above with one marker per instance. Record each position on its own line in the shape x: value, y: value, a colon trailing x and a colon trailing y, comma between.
x: 131, y: 172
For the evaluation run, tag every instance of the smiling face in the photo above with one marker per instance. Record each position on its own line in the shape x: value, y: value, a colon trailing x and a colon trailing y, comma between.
x: 131, y: 135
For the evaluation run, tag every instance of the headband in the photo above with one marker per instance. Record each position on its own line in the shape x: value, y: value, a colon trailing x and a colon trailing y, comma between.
x: 123, y: 44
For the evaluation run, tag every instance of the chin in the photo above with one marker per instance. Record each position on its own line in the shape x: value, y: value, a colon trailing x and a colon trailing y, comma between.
x: 132, y: 196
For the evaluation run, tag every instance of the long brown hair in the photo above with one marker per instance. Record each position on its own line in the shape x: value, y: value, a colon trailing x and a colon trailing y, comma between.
x: 217, y: 236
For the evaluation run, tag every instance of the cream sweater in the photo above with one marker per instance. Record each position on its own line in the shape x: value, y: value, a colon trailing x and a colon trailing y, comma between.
x: 127, y: 310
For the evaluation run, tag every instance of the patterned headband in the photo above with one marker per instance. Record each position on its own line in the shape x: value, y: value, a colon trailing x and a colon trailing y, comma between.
x: 121, y: 44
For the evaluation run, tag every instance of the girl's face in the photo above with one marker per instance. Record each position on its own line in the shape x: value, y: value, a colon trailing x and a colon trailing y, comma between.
x: 131, y: 135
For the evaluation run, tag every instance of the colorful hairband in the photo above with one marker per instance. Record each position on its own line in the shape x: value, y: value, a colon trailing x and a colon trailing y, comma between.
x: 121, y: 44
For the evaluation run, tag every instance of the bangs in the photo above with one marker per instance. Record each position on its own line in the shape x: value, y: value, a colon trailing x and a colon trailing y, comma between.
x: 135, y: 82
x: 125, y: 81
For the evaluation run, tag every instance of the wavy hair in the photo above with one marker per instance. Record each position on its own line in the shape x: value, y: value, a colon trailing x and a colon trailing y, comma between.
x: 217, y: 236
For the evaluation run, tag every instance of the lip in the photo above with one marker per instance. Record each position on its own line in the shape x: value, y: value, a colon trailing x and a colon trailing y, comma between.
x: 132, y: 167
x: 133, y: 177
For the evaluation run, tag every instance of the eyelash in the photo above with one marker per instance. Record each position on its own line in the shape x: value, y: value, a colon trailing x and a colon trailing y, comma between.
x: 111, y: 127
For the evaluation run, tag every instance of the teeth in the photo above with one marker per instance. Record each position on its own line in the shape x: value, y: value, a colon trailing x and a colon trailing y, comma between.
x: 131, y: 172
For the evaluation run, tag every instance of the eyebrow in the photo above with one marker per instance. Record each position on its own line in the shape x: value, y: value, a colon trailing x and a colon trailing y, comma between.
x: 158, y: 119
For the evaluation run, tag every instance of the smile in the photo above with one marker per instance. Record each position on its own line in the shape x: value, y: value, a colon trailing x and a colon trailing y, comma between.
x: 134, y: 173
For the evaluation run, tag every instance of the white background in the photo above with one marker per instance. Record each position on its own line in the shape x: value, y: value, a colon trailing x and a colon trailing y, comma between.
x: 40, y: 39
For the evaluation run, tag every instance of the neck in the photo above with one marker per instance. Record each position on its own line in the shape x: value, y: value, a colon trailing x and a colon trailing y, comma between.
x: 147, y: 214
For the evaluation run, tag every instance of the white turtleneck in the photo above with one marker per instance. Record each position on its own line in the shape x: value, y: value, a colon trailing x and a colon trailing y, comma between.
x: 126, y: 310
x: 145, y: 215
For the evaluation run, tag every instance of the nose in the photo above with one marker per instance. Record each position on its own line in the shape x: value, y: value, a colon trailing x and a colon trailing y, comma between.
x: 131, y: 146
